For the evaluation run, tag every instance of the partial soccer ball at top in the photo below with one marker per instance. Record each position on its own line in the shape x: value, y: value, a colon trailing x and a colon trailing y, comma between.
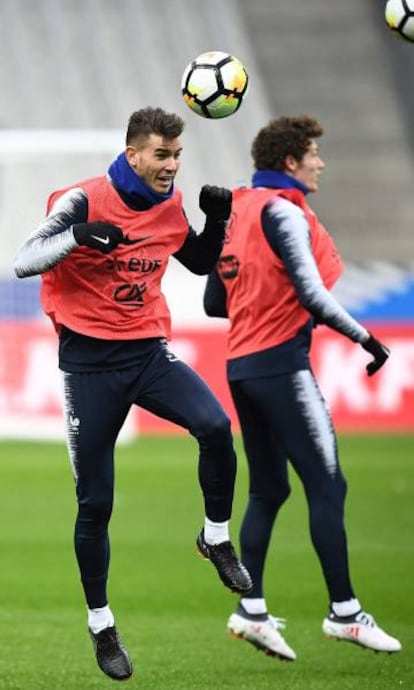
x: 214, y: 84
x: 399, y: 15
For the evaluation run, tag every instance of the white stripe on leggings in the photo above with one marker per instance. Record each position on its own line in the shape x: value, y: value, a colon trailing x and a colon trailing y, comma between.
x: 317, y: 417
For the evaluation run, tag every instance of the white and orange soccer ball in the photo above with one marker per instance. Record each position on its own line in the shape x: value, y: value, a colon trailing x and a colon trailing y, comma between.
x: 214, y: 84
x: 399, y: 15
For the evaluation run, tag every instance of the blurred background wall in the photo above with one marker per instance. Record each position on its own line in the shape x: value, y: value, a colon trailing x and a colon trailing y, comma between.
x: 72, y: 71
x: 87, y: 64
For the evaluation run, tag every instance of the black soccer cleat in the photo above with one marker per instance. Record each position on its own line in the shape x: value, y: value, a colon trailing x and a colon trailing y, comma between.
x: 230, y: 569
x: 111, y: 656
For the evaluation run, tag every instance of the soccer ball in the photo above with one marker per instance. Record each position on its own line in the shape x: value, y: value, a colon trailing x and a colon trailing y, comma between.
x: 399, y: 15
x: 214, y: 84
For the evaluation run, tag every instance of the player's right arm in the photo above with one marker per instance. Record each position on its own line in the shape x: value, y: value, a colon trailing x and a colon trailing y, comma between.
x: 64, y: 230
x: 54, y: 238
x: 287, y: 231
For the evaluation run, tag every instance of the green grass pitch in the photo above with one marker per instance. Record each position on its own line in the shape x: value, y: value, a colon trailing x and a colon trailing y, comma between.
x: 170, y: 607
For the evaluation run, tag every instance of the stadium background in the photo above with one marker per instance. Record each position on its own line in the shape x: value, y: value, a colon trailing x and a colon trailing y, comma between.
x: 71, y: 72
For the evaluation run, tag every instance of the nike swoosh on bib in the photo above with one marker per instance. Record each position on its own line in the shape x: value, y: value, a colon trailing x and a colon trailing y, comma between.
x: 127, y: 240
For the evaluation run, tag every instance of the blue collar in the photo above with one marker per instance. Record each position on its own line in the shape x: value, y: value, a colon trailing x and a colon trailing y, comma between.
x: 277, y: 180
x: 127, y: 181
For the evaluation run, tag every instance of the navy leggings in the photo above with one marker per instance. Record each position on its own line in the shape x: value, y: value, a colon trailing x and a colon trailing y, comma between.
x: 96, y: 405
x: 285, y: 417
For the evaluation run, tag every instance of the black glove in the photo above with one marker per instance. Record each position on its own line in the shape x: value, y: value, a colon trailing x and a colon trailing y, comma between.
x: 101, y: 236
x: 215, y: 202
x: 379, y: 351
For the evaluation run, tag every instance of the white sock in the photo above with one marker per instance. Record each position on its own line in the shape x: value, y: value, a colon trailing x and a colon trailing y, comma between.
x: 99, y: 619
x: 346, y: 608
x: 254, y: 606
x: 216, y: 532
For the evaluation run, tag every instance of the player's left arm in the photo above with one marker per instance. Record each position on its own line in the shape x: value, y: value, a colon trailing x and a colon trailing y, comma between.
x: 287, y: 231
x: 199, y: 253
x: 215, y: 296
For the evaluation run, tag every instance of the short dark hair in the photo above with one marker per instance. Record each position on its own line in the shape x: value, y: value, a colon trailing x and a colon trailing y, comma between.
x: 148, y: 121
x: 282, y: 137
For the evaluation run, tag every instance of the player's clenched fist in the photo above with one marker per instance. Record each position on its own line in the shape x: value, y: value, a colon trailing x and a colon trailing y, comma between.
x: 101, y: 236
x: 215, y: 202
